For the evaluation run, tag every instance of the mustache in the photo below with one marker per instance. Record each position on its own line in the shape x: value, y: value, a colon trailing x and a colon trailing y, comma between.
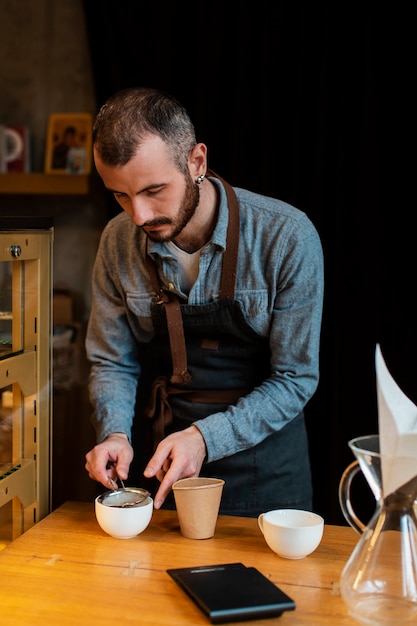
x: 160, y: 221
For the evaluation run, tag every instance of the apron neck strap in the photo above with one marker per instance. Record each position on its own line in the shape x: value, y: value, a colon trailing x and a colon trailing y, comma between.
x: 180, y: 372
x: 228, y: 280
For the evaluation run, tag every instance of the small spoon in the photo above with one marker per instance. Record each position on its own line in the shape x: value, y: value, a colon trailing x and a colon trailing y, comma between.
x: 113, y: 483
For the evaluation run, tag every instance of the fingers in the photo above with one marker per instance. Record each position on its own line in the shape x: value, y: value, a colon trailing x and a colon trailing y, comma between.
x: 113, y: 484
x: 108, y: 460
x: 165, y: 487
x: 180, y: 455
x: 122, y: 469
x: 163, y: 469
x: 96, y: 466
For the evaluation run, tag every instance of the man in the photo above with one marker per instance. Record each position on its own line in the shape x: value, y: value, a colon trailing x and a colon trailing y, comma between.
x: 205, y: 322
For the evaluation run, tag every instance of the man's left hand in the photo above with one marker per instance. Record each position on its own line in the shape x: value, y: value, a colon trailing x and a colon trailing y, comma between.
x: 180, y: 455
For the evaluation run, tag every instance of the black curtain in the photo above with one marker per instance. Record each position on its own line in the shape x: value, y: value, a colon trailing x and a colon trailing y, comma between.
x: 312, y: 105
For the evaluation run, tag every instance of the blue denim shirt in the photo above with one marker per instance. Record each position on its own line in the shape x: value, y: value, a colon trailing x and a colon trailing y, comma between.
x: 280, y: 282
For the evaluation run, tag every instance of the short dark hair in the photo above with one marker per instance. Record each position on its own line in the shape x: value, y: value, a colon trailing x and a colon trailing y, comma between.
x: 132, y: 114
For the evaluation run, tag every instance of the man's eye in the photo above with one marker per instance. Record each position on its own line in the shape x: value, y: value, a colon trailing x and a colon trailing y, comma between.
x: 154, y: 190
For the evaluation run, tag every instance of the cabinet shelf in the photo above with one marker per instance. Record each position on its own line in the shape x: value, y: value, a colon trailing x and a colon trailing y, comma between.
x: 18, y: 480
x: 25, y: 373
x: 47, y: 184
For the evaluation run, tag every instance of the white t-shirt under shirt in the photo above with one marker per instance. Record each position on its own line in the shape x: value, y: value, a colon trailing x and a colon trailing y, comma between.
x: 188, y: 266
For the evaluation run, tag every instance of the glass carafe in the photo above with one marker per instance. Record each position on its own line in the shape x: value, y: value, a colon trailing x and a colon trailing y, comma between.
x: 379, y: 581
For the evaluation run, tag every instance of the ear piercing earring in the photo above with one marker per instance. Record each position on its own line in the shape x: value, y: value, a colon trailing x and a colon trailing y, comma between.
x: 200, y: 179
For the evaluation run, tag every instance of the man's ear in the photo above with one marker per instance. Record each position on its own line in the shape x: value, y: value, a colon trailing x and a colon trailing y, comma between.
x: 197, y: 161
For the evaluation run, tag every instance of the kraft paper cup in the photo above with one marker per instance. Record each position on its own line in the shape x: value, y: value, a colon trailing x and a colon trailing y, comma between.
x: 197, y: 501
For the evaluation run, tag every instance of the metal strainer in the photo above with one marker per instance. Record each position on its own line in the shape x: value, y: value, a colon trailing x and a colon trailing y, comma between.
x: 125, y: 497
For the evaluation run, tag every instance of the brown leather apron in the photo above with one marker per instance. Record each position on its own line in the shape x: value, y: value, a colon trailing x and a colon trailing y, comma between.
x: 203, y: 359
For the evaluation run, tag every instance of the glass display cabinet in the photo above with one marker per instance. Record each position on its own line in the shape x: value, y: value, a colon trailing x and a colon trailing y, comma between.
x: 25, y: 373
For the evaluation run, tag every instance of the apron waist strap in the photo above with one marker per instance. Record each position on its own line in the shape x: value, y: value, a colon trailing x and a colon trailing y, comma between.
x: 159, y: 410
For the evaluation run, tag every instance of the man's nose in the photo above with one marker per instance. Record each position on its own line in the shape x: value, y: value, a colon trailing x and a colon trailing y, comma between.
x: 141, y: 212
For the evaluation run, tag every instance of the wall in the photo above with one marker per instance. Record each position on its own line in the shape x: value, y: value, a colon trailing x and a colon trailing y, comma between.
x: 45, y: 68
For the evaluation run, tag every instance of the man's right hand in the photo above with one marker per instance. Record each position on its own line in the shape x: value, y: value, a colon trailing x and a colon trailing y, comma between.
x: 110, y: 460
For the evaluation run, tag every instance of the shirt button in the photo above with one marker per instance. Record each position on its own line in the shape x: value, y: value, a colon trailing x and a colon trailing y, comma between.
x: 170, y: 286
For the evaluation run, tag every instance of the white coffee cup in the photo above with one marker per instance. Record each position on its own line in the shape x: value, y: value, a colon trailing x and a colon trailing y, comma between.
x: 291, y: 533
x: 121, y: 521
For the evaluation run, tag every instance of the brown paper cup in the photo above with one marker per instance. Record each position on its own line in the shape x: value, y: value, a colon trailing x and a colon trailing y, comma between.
x: 198, y: 501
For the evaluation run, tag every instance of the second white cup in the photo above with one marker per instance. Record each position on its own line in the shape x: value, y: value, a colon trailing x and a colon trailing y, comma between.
x: 291, y: 533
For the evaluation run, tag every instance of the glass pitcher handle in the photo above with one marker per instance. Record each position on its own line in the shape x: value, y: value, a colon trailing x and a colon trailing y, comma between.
x: 344, y: 497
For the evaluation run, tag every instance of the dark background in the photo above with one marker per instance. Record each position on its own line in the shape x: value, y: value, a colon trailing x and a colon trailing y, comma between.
x: 313, y: 105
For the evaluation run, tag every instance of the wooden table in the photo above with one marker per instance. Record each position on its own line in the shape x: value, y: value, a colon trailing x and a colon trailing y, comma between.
x: 67, y: 571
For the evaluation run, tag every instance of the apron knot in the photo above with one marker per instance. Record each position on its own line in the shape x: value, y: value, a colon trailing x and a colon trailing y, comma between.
x: 158, y: 408
x: 182, y: 378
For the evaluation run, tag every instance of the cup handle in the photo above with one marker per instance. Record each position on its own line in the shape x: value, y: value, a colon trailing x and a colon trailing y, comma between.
x: 261, y: 522
x: 344, y: 497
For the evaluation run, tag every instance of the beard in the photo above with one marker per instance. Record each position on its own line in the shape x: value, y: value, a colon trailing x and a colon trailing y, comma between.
x: 188, y: 206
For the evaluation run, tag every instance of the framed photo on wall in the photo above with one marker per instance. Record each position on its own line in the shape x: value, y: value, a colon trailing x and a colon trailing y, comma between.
x: 69, y: 143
